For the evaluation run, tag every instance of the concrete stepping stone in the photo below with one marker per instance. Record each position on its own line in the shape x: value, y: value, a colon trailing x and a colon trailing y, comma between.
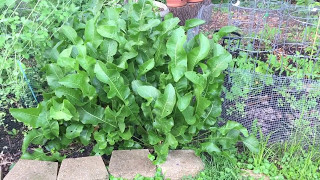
x: 128, y: 163
x: 33, y: 170
x: 181, y: 163
x: 1, y: 173
x: 84, y: 168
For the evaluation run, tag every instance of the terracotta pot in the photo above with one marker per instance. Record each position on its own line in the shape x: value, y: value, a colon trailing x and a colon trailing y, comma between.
x: 176, y: 3
x: 194, y: 1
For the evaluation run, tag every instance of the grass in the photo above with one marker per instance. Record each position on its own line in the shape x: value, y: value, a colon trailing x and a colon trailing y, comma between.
x: 219, y: 168
x: 296, y: 158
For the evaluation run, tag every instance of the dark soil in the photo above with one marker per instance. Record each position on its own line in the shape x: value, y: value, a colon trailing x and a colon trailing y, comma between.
x: 10, y: 145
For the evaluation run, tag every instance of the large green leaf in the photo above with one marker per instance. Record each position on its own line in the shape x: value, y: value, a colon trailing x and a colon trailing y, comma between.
x: 163, y: 125
x: 116, y: 117
x: 202, y: 104
x: 122, y: 61
x: 91, y: 34
x: 28, y: 116
x: 85, y: 136
x: 226, y: 30
x: 51, y: 130
x: 198, y: 53
x: 146, y: 66
x: 188, y: 115
x: 149, y: 93
x: 70, y: 33
x: 79, y: 81
x: 191, y: 23
x: 196, y: 78
x: 90, y: 115
x: 218, y: 50
x: 74, y: 130
x: 171, y: 140
x: 175, y: 49
x: 73, y: 95
x: 34, y: 136
x: 54, y: 74
x: 38, y: 154
x: 86, y: 62
x: 60, y: 112
x: 165, y: 103
x: 154, y: 138
x: 100, y: 137
x: 114, y: 80
x: 151, y: 24
x: 184, y: 101
x: 210, y: 147
x: 251, y: 143
x: 232, y: 125
x: 169, y: 24
x: 68, y: 63
x: 108, y: 49
x: 126, y: 135
x: 219, y: 63
x: 108, y: 31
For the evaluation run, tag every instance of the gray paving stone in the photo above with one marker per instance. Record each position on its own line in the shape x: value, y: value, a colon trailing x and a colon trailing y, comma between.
x: 181, y: 163
x: 33, y: 170
x: 1, y: 173
x: 85, y: 168
x: 128, y: 163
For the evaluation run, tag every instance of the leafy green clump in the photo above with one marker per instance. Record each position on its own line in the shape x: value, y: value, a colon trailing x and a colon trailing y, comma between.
x: 123, y: 78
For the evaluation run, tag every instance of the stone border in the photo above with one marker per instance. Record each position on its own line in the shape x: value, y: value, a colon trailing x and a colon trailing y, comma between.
x: 123, y: 163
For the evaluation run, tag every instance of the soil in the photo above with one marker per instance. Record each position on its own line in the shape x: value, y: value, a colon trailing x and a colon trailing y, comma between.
x: 10, y: 145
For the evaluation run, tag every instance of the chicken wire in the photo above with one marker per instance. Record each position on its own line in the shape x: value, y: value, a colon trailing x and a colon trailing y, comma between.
x: 273, y: 82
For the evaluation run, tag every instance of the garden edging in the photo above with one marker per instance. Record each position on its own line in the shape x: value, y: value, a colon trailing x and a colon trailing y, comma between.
x: 124, y: 163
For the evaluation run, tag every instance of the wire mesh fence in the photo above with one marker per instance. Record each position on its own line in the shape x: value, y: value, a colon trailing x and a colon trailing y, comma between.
x: 273, y: 82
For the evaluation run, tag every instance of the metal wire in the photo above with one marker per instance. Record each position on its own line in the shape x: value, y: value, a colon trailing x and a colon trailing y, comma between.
x: 274, y: 81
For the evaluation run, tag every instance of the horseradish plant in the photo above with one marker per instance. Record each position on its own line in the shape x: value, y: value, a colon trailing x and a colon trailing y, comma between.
x: 124, y: 79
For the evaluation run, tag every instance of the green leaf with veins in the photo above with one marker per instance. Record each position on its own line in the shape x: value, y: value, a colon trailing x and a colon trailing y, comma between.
x: 199, y: 53
x: 149, y: 93
x: 171, y: 140
x: 163, y: 125
x: 165, y: 103
x: 85, y: 135
x: 177, y: 53
x: 100, y: 137
x: 34, y: 136
x: 91, y: 115
x: 74, y: 130
x: 251, y: 143
x: 184, y: 101
x: 191, y: 23
x: 146, y: 66
x: 70, y: 33
x: 188, y: 115
x: 91, y: 34
x: 114, y: 80
x: 210, y: 147
x: 73, y: 95
x: 53, y: 74
x: 219, y: 63
x: 79, y: 81
x: 108, y: 49
x: 27, y: 116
